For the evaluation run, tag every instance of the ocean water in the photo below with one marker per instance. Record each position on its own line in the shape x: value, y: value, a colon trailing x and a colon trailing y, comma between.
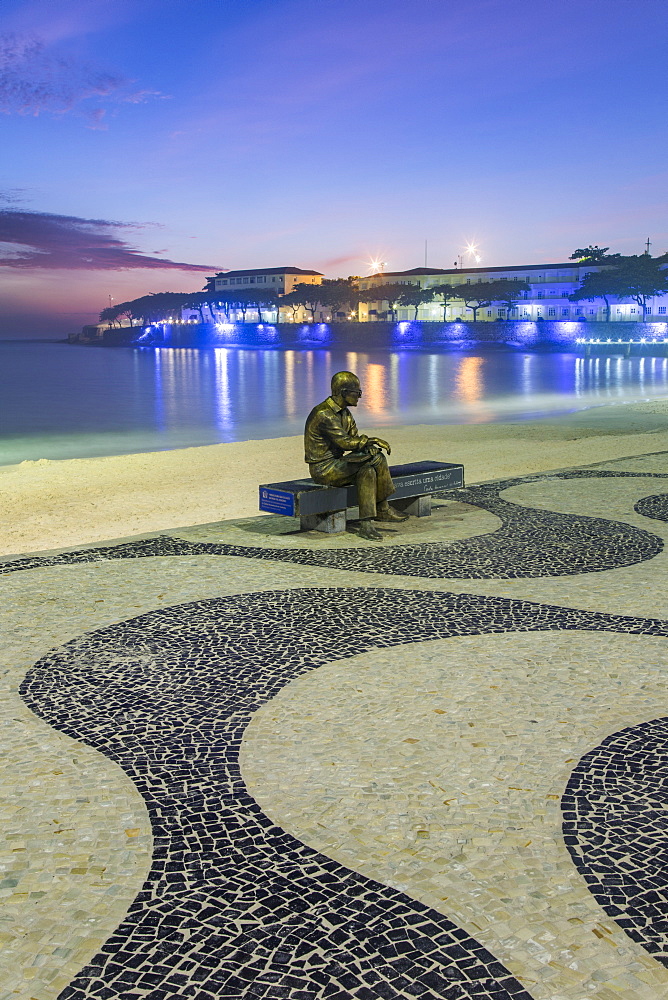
x: 62, y: 401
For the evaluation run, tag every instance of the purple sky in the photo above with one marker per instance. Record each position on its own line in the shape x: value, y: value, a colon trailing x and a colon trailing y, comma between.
x: 147, y: 144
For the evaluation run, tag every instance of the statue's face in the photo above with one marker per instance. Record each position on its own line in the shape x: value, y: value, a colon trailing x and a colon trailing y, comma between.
x: 351, y: 394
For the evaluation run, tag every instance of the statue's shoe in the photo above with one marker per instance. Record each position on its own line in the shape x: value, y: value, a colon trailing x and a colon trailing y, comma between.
x: 367, y: 530
x: 390, y: 515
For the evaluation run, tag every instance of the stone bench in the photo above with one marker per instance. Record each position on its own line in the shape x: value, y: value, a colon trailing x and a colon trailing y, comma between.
x: 327, y: 508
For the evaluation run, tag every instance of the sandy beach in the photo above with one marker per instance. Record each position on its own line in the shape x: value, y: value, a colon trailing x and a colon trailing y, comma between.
x: 57, y: 504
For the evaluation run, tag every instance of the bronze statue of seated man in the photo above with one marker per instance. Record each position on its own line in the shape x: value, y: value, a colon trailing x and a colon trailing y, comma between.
x: 338, y: 455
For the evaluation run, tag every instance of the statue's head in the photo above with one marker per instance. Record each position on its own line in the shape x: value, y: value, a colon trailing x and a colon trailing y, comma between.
x: 346, y: 387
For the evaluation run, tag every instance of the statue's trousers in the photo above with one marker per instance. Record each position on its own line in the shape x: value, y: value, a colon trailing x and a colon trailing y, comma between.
x: 369, y: 473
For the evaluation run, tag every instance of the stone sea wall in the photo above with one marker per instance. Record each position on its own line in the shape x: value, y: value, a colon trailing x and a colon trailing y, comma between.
x: 380, y: 335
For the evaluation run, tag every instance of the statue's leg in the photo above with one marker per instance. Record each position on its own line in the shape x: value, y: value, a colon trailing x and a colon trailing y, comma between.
x: 384, y: 489
x: 384, y: 484
x: 365, y: 480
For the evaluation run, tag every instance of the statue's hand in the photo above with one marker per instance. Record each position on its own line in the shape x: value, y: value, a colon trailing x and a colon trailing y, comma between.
x: 379, y: 443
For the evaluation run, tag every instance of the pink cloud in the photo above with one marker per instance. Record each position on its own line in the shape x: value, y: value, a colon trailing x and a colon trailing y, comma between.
x: 43, y: 240
x: 337, y: 261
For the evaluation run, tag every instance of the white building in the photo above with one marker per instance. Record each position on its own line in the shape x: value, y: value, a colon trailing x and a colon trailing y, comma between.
x: 551, y: 284
x: 277, y: 279
x: 273, y: 280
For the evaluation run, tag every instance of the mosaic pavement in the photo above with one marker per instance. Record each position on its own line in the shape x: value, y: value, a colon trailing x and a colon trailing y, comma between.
x: 239, y: 764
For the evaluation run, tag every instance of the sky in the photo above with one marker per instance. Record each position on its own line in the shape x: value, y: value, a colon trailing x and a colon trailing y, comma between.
x: 146, y: 144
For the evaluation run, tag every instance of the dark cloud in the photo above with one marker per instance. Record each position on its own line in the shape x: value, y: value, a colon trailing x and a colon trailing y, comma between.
x: 36, y: 80
x: 40, y: 240
x: 12, y: 196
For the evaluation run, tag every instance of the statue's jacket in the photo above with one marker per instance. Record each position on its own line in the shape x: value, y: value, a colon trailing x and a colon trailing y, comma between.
x: 330, y: 432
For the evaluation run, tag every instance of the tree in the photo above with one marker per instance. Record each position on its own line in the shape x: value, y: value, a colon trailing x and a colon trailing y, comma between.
x: 114, y: 314
x: 482, y: 293
x: 308, y: 296
x: 415, y: 296
x: 266, y: 298
x: 159, y: 306
x: 446, y: 292
x: 641, y: 277
x: 508, y: 292
x: 214, y: 301
x: 338, y: 292
x: 390, y: 293
x: 598, y: 285
x: 197, y: 301
x: 224, y: 300
x: 594, y: 255
x: 292, y: 301
x: 243, y: 298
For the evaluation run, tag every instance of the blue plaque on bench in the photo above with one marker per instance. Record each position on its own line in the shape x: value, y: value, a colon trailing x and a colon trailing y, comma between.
x: 301, y: 497
x: 277, y: 501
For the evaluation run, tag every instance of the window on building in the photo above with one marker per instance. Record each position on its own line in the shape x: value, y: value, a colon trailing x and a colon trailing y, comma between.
x: 578, y: 311
x: 252, y: 281
x: 633, y: 309
x: 501, y: 313
x: 551, y: 312
x: 591, y: 312
x: 662, y: 310
x: 468, y: 281
x: 541, y: 295
x: 489, y: 312
x: 224, y: 281
x: 619, y: 312
x: 245, y: 281
x: 564, y: 312
x: 274, y: 278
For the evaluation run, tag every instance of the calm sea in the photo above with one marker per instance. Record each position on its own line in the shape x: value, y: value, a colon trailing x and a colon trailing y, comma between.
x: 66, y: 401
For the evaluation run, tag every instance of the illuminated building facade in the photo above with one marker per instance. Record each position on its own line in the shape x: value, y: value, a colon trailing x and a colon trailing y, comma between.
x: 276, y: 281
x: 551, y: 284
x: 547, y: 298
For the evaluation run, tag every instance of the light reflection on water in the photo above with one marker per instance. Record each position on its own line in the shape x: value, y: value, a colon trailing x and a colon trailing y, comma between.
x: 61, y: 401
x: 469, y: 380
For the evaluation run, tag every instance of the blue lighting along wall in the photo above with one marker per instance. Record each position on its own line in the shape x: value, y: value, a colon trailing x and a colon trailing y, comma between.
x: 409, y: 335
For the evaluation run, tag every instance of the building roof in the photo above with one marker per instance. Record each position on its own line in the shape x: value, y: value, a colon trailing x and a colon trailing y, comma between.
x: 413, y: 270
x: 265, y: 270
x: 416, y: 271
